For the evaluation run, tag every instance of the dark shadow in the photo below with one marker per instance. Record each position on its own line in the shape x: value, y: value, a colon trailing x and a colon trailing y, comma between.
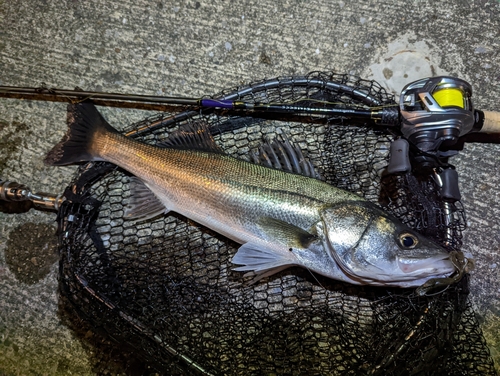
x: 106, y: 356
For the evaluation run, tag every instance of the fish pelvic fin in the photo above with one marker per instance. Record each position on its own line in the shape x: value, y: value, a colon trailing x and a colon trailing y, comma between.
x: 85, y: 124
x: 261, y: 261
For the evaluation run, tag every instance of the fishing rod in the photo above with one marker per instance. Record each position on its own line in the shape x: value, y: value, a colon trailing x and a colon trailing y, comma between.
x: 441, y: 104
x: 386, y: 116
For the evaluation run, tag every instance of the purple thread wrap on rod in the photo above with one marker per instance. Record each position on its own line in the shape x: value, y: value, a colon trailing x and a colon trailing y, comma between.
x: 216, y: 103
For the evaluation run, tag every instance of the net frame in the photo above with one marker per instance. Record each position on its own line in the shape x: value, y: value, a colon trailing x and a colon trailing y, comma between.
x: 166, y: 287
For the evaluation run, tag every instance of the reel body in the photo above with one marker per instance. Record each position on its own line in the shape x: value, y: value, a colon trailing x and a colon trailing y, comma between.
x: 436, y: 111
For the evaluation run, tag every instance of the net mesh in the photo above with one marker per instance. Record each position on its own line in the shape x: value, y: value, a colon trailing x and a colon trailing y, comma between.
x: 165, y: 286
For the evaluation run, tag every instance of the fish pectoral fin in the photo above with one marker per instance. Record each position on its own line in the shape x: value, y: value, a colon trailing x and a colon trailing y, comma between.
x: 286, y: 233
x: 262, y: 261
x: 143, y: 202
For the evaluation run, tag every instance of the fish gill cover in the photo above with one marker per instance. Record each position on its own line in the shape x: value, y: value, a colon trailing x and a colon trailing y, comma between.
x: 166, y: 287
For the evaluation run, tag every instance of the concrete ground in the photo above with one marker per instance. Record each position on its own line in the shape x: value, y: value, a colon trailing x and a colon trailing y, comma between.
x: 192, y: 48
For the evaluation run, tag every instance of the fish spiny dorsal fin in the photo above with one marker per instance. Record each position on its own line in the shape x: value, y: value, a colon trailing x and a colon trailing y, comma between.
x: 191, y: 136
x: 283, y: 155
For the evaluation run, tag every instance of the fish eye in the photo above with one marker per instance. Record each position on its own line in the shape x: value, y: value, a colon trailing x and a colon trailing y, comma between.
x: 408, y: 240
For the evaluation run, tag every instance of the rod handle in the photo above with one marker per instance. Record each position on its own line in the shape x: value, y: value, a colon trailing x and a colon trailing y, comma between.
x: 491, y: 122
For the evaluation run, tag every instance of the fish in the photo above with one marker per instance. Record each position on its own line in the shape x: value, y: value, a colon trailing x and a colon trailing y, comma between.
x: 280, y: 218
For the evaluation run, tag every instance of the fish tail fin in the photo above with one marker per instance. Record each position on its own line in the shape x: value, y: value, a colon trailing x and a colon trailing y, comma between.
x: 78, y: 144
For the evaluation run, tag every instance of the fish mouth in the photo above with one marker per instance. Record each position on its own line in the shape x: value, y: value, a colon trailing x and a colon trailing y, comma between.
x: 440, y: 264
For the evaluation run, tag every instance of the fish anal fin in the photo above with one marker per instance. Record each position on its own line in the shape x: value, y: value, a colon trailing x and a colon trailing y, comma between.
x: 286, y: 233
x: 143, y: 203
x: 191, y: 136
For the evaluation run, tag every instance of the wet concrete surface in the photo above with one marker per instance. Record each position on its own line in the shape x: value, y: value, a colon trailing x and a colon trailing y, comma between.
x: 30, y: 252
x: 193, y: 48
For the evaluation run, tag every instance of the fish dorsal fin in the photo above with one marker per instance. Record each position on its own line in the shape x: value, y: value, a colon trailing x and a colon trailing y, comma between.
x: 143, y: 202
x: 191, y: 136
x: 283, y: 155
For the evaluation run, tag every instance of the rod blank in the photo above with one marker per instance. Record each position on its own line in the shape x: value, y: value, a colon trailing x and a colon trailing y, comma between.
x: 166, y: 103
x: 142, y: 102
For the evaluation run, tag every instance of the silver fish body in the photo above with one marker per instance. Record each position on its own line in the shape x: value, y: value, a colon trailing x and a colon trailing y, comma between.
x: 280, y: 218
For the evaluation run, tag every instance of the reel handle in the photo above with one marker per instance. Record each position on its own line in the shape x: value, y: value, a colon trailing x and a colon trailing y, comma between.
x: 491, y: 122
